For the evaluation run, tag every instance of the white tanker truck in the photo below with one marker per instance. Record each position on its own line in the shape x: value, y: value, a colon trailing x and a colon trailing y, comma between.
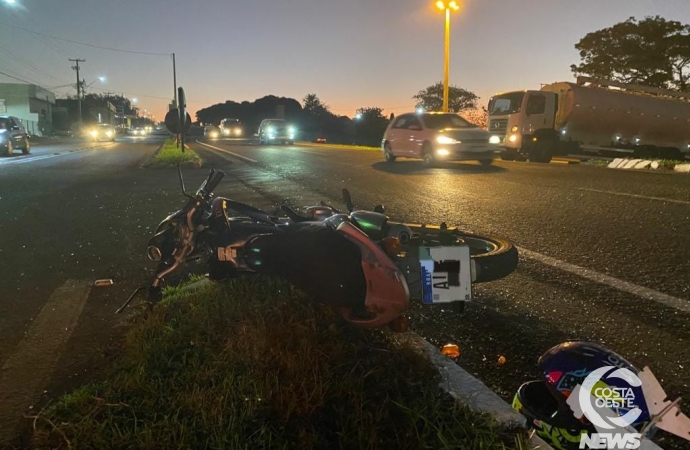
x: 591, y: 116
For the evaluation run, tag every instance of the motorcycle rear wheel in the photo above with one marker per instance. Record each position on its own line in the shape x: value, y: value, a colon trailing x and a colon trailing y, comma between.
x: 494, y: 258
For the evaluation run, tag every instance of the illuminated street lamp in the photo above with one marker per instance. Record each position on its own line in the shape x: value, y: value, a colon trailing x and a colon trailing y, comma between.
x: 447, y: 6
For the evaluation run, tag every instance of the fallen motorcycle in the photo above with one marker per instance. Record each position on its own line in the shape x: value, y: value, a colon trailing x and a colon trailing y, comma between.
x: 436, y: 264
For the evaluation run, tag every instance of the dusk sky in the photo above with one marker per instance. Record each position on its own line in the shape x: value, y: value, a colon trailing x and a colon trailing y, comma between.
x: 351, y: 53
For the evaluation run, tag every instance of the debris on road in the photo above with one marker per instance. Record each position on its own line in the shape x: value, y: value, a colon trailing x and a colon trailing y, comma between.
x: 103, y: 283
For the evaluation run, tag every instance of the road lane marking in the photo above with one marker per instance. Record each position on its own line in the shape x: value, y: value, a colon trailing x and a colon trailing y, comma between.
x: 228, y: 152
x: 27, y: 160
x: 27, y: 371
x: 624, y: 286
x: 645, y: 197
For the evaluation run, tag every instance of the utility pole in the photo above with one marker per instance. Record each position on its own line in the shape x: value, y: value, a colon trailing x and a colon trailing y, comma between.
x: 175, y: 80
x: 79, y: 83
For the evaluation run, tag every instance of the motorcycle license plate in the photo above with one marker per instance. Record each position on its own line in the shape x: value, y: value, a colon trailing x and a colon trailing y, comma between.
x: 446, y: 274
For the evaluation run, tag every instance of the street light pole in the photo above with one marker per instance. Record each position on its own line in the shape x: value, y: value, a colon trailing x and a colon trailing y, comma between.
x: 174, y: 80
x: 446, y: 68
x: 446, y: 6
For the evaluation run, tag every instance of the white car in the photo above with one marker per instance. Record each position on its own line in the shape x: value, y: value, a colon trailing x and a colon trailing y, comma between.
x: 436, y: 137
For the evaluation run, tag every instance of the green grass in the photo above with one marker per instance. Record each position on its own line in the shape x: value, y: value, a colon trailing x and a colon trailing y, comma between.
x: 670, y: 163
x: 170, y: 155
x: 254, y: 364
x: 598, y: 162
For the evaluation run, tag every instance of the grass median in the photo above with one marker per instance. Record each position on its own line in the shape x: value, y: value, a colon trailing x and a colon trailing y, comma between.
x: 254, y: 364
x: 170, y: 155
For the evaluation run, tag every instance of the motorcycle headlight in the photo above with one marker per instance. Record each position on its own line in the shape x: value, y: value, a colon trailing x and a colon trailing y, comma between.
x: 447, y: 140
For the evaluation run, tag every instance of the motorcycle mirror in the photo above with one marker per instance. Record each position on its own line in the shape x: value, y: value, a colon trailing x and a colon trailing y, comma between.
x: 348, y: 200
x: 380, y: 209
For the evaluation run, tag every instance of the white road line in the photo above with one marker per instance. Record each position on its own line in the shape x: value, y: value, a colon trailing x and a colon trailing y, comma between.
x: 28, y: 160
x: 27, y: 371
x: 645, y: 197
x: 624, y: 286
x: 228, y: 152
x: 311, y: 152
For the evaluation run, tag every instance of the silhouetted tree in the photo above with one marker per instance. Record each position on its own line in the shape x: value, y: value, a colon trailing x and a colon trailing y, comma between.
x: 431, y: 98
x: 653, y: 51
x: 252, y: 113
x: 370, y: 125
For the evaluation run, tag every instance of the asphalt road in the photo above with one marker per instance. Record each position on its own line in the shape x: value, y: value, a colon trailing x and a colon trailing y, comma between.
x: 604, y: 252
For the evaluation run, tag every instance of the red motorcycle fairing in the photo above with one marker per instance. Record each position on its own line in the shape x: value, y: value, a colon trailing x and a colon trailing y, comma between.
x: 387, y: 294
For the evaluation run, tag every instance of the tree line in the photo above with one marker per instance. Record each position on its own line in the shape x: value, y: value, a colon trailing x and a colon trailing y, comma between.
x: 652, y: 51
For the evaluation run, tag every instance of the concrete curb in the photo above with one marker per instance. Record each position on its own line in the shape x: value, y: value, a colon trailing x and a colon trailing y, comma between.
x: 147, y: 161
x: 462, y: 386
x: 644, y: 164
x: 340, y: 146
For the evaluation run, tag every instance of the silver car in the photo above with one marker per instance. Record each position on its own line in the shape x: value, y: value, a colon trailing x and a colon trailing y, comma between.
x: 436, y: 137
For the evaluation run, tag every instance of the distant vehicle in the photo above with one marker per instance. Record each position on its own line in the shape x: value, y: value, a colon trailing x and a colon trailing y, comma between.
x: 138, y: 131
x: 102, y: 132
x: 211, y: 132
x: 276, y: 130
x: 231, y: 127
x: 320, y: 140
x: 436, y: 137
x: 13, y: 136
x: 593, y: 116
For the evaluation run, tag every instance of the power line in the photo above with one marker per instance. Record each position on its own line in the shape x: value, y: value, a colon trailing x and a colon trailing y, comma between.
x: 26, y: 64
x: 18, y: 79
x: 84, y: 43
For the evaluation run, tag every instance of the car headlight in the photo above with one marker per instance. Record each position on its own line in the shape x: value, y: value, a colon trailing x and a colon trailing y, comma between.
x: 270, y: 130
x: 442, y: 152
x: 291, y: 130
x: 94, y: 133
x: 109, y: 133
x: 238, y: 131
x: 447, y: 140
x: 514, y: 129
x: 495, y: 140
x: 513, y: 138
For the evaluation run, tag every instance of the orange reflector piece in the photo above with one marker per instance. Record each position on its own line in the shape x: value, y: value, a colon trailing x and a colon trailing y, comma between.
x: 391, y: 245
x: 451, y: 350
x: 501, y: 360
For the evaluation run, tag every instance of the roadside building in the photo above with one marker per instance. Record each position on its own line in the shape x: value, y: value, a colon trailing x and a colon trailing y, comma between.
x: 32, y: 104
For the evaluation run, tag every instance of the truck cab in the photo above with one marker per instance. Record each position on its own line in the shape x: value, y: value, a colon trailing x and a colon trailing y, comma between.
x: 524, y: 121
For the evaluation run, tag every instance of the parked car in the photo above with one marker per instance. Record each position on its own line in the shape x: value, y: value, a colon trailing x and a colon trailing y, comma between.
x: 435, y: 137
x: 276, y: 130
x: 13, y: 136
x: 102, y: 132
x: 211, y: 132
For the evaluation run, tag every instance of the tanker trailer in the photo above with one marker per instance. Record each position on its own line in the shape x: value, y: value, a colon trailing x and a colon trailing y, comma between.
x: 591, y: 116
